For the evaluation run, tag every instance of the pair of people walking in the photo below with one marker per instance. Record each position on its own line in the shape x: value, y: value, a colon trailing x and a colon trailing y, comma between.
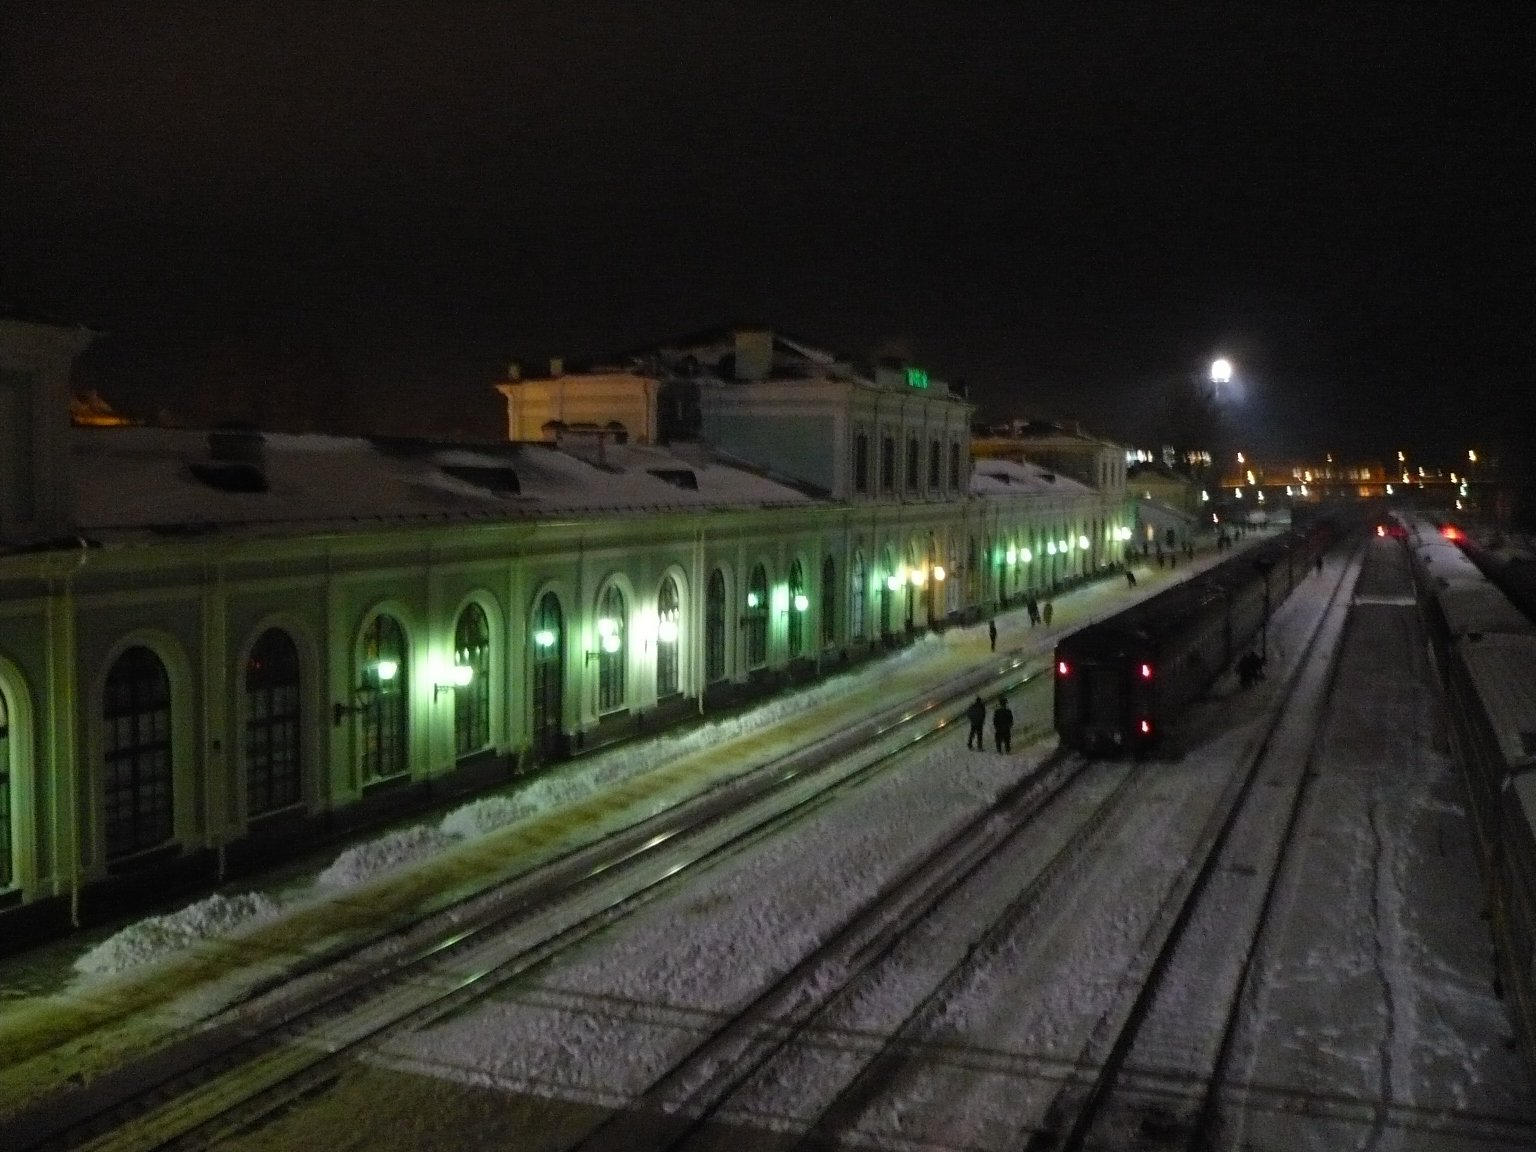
x: 1002, y: 725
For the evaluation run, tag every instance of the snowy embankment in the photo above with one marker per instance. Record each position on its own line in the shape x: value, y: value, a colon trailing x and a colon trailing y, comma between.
x: 221, y: 916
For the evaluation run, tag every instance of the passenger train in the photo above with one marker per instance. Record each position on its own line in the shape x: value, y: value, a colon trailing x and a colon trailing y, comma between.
x: 1485, y: 650
x: 1121, y: 683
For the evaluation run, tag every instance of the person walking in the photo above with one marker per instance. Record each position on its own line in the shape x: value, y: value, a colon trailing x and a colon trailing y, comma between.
x: 1130, y: 578
x: 992, y: 634
x: 977, y: 715
x: 1045, y: 613
x: 1002, y: 725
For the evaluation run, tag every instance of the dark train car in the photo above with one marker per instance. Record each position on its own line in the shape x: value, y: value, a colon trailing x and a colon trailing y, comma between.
x: 1514, y: 909
x: 1121, y: 682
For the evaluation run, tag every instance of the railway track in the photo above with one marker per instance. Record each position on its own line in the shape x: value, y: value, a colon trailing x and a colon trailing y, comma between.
x: 257, y: 1057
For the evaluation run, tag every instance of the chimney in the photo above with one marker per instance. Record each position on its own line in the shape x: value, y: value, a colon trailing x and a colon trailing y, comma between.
x: 35, y: 488
x: 754, y: 353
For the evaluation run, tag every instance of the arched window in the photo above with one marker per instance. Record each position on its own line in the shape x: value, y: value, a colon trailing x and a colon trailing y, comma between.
x: 861, y: 463
x: 828, y: 602
x: 887, y: 465
x: 714, y: 628
x: 7, y: 833
x: 384, y: 674
x: 757, y: 618
x: 472, y: 701
x: 954, y: 467
x: 856, y: 589
x: 799, y: 605
x: 273, y: 725
x: 612, y: 657
x: 136, y: 710
x: 935, y: 463
x: 668, y: 627
x: 912, y: 467
x: 548, y: 671
x: 954, y: 587
x: 887, y: 577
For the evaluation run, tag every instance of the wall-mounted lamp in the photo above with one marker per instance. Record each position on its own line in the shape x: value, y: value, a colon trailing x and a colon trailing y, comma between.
x: 455, y: 676
x: 802, y: 602
x: 938, y: 573
x: 363, y: 695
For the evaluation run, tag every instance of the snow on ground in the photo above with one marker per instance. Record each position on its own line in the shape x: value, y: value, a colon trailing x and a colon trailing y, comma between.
x: 602, y: 1026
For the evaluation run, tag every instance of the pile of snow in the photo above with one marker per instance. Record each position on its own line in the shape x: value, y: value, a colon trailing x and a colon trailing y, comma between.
x: 160, y: 936
x: 363, y: 862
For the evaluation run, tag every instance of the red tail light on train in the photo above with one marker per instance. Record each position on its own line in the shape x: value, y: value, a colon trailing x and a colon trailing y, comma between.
x: 1144, y: 726
x: 1063, y: 668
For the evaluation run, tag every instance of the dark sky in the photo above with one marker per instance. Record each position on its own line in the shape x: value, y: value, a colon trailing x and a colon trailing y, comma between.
x: 354, y: 214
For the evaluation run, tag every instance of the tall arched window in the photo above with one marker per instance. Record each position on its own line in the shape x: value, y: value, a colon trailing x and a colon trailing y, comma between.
x: 273, y: 728
x: 757, y: 617
x: 472, y: 701
x: 887, y: 464
x: 886, y: 593
x: 799, y: 605
x: 912, y: 466
x: 857, y: 583
x: 828, y: 602
x: 138, y: 803
x: 861, y: 463
x: 668, y: 628
x: 384, y: 674
x: 954, y: 467
x: 612, y: 657
x: 714, y: 628
x: 548, y: 672
x: 935, y: 463
x: 7, y: 833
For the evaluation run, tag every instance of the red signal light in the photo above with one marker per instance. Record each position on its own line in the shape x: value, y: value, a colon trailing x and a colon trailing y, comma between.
x: 1451, y: 532
x: 1145, y: 727
x: 1146, y: 671
x: 1381, y: 530
x: 1063, y: 668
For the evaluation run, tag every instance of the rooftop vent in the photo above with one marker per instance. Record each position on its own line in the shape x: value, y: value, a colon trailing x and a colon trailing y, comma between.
x: 492, y: 477
x: 677, y: 477
x: 237, y: 460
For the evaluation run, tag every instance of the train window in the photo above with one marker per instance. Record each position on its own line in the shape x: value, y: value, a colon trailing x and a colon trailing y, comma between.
x: 1063, y: 668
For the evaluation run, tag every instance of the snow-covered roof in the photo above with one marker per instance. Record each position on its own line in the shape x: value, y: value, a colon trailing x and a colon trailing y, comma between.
x: 134, y: 479
x: 996, y: 477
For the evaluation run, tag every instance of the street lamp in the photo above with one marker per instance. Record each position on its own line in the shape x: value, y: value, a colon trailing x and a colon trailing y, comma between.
x: 1221, y: 370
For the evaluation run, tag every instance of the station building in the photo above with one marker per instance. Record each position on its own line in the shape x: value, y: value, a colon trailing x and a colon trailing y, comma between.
x: 221, y: 646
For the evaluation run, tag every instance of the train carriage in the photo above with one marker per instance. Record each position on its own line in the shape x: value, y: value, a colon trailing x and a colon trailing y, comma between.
x: 1121, y: 682
x: 1491, y: 699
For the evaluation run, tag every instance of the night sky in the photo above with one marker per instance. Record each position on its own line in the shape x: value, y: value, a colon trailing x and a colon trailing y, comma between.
x: 352, y: 215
